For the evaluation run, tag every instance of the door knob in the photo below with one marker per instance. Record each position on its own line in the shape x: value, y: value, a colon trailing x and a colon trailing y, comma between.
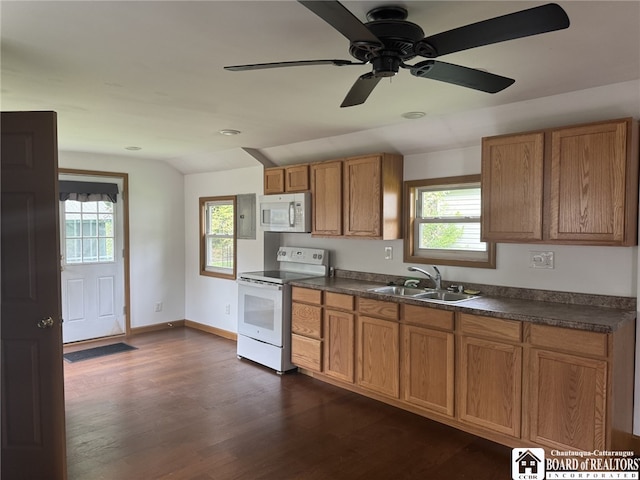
x: 46, y: 323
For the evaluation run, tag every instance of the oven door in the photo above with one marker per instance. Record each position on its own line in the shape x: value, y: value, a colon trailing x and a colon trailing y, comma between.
x: 260, y: 311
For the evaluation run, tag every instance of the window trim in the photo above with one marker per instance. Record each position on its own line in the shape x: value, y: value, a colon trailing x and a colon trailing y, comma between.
x: 410, y: 188
x: 203, y: 237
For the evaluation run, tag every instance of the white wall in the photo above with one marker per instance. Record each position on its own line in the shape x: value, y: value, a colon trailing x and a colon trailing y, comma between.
x: 207, y: 298
x: 156, y: 240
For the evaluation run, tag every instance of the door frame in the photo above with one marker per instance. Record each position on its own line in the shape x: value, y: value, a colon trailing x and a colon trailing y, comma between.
x: 125, y: 229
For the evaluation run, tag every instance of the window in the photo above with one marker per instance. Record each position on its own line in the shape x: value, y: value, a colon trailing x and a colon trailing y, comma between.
x: 88, y: 232
x: 218, y: 237
x: 443, y: 223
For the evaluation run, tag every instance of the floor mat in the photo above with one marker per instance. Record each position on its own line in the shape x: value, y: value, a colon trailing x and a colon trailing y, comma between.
x: 97, y: 352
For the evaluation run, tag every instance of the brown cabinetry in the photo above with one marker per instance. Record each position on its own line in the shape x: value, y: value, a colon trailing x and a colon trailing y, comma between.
x: 594, y: 184
x: 512, y: 179
x: 326, y: 198
x: 339, y: 337
x: 575, y: 185
x: 378, y: 349
x: 490, y: 377
x: 358, y: 197
x: 306, y: 328
x: 427, y: 362
x: 505, y: 380
x: 568, y: 389
x: 372, y: 196
x: 294, y: 178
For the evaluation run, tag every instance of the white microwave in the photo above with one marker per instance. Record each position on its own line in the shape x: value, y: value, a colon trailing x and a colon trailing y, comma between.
x: 286, y: 213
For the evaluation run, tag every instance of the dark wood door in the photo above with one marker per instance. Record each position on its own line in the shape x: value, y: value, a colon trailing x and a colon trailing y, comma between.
x: 33, y: 433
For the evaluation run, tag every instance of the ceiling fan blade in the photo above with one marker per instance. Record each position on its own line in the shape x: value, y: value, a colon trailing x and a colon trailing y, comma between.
x: 459, y: 75
x: 299, y: 63
x: 360, y: 90
x: 533, y: 21
x: 336, y: 15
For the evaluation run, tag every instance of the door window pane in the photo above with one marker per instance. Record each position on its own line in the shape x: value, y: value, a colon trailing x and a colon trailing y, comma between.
x: 89, y: 232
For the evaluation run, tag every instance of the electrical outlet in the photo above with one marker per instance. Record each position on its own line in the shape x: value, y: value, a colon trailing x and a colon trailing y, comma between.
x: 159, y: 307
x: 227, y: 309
x: 540, y: 259
x: 388, y: 253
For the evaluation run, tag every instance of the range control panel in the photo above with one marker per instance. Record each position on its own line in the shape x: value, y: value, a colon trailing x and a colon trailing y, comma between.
x: 312, y: 256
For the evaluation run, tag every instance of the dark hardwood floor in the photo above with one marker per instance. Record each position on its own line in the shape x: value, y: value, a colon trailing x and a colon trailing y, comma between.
x: 183, y: 406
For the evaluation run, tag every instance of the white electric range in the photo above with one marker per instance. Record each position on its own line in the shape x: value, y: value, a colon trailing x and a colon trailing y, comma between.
x: 264, y: 306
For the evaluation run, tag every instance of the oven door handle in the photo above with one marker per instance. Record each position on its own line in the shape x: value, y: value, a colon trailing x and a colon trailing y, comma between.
x: 260, y: 285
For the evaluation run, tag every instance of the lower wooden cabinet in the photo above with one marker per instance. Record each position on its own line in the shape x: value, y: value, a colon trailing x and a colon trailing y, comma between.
x: 428, y: 368
x: 378, y: 355
x: 513, y: 382
x: 490, y: 385
x: 568, y: 401
x: 339, y: 344
x: 306, y: 328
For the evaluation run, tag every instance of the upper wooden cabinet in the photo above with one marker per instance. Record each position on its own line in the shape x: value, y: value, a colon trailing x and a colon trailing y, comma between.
x: 362, y: 200
x: 273, y: 180
x: 294, y: 178
x: 512, y: 179
x: 574, y: 185
x: 594, y: 183
x: 326, y: 198
x: 373, y: 196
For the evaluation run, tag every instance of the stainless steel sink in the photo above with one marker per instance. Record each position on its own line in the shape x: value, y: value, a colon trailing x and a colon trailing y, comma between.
x: 433, y: 295
x: 397, y: 290
x: 443, y: 296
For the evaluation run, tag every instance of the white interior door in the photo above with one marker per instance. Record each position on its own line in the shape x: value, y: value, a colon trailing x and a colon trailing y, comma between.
x: 92, y: 269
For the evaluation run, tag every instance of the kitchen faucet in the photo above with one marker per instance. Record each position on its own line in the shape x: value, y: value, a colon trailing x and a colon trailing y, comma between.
x: 437, y: 278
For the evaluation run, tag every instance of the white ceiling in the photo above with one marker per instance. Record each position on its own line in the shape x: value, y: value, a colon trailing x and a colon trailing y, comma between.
x: 150, y: 74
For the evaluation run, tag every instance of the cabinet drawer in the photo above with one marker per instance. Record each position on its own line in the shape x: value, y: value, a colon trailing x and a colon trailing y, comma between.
x: 338, y: 300
x: 427, y: 317
x: 306, y: 295
x: 306, y: 320
x: 494, y: 328
x: 568, y: 340
x: 306, y: 352
x: 378, y: 308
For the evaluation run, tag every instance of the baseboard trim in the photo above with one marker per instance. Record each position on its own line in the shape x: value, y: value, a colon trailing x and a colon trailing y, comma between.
x: 156, y: 327
x: 213, y: 330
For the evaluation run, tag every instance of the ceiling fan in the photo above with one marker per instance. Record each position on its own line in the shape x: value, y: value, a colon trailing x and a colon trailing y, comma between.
x: 387, y: 40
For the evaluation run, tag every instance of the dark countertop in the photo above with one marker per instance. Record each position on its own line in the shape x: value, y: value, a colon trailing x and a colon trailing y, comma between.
x: 579, y: 317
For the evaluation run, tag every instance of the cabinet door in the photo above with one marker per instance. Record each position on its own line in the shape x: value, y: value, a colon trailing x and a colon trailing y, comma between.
x: 362, y: 196
x: 378, y: 355
x: 326, y: 198
x: 339, y: 344
x: 297, y: 178
x: 512, y: 187
x: 427, y: 368
x: 588, y: 178
x: 568, y: 401
x: 273, y: 180
x: 490, y: 388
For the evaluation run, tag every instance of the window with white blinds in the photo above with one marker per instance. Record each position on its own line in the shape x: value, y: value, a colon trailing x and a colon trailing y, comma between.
x: 445, y: 222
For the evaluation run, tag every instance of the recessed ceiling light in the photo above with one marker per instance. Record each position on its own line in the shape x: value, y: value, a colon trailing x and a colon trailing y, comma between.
x: 413, y: 115
x: 133, y: 148
x: 228, y: 132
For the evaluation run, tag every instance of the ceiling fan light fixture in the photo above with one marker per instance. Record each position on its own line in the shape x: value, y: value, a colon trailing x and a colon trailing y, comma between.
x: 413, y: 115
x: 229, y: 132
